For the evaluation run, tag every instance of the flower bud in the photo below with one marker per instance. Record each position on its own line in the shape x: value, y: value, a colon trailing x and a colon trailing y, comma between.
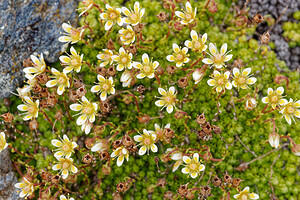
x: 127, y: 78
x: 141, y: 89
x: 52, y: 99
x: 116, y: 144
x: 111, y: 71
x: 200, y: 119
x: 81, y: 91
x: 77, y: 83
x: 250, y: 103
x: 190, y: 195
x: 6, y: 102
x: 101, y: 71
x: 8, y: 117
x: 89, y: 142
x: 168, y: 195
x: 257, y: 18
x: 87, y: 158
x: 46, y: 176
x: 121, y: 187
x: 160, y: 70
x: 296, y: 149
x: 216, y: 129
x: 236, y: 182
x: 36, y: 88
x: 183, y: 190
x: 145, y: 119
x: 117, y: 196
x: 42, y: 78
x: 98, y: 130
x: 104, y: 155
x: 132, y: 49
x: 274, y: 139
x: 171, y: 69
x: 127, y: 99
x: 265, y: 38
x: 238, y: 63
x: 58, y: 115
x: 105, y: 107
x: 182, y: 82
x: 106, y: 169
x: 169, y: 5
x: 27, y: 62
x: 138, y: 28
x: 178, y: 26
x: 216, y: 181
x: 127, y: 140
x: 73, y: 96
x: 227, y: 178
x: 44, y: 92
x: 162, y: 16
x: 198, y: 75
x: 213, y: 8
x: 161, y: 182
x: 33, y: 125
x: 55, y: 179
x: 179, y: 114
x: 110, y: 44
x: 205, y: 191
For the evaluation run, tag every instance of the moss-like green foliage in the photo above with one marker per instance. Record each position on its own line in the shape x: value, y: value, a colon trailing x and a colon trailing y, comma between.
x: 245, y: 133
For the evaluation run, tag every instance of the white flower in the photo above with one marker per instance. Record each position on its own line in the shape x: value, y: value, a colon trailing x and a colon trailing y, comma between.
x: 193, y: 166
x: 126, y: 78
x: 72, y: 34
x: 106, y: 57
x: 168, y: 99
x: 26, y: 187
x: 146, y: 140
x: 187, y: 16
x: 197, y: 44
x: 88, y: 111
x: 65, y: 165
x: 179, y: 56
x: 100, y: 145
x: 274, y: 98
x: 133, y: 17
x: 242, y: 80
x: 245, y: 194
x: 124, y: 59
x: 274, y: 139
x: 24, y: 91
x: 105, y: 86
x: 111, y: 16
x: 60, y: 79
x: 251, y: 103
x: 127, y: 35
x: 65, y: 147
x: 198, y: 75
x: 38, y: 68
x: 3, y: 143
x: 88, y: 4
x: 73, y: 61
x: 148, y: 67
x: 220, y: 81
x: 217, y: 59
x: 121, y: 153
x: 63, y: 197
x: 87, y: 126
x: 160, y: 131
x: 290, y: 109
x: 31, y: 108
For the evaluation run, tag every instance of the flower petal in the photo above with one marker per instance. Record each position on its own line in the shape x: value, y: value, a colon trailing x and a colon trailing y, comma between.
x: 194, y: 175
x: 186, y: 159
x: 246, y: 71
x: 170, y: 58
x: 76, y: 107
x: 185, y: 170
x: 211, y: 82
x: 280, y: 90
x: 142, y: 150
x: 81, y: 120
x: 171, y: 90
x: 159, y: 103
x: 207, y: 61
x: 170, y: 108
x: 224, y: 48
x: 154, y: 148
x: 212, y: 48
x: 265, y: 100
x: 270, y: 91
x: 145, y: 58
x: 120, y: 160
x: 251, y: 80
x: 56, y: 143
x: 176, y: 48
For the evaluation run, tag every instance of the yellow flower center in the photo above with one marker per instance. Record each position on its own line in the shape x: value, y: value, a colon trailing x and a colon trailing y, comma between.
x: 112, y: 15
x: 147, y: 68
x: 133, y: 17
x: 221, y: 81
x: 61, y: 80
x: 128, y: 35
x: 290, y: 110
x: 75, y: 34
x: 105, y: 86
x: 197, y: 45
x: 66, y: 165
x: 169, y: 99
x: 193, y: 167
x: 179, y: 57
x: 147, y: 141
x: 75, y: 62
x: 274, y: 99
x: 66, y: 147
x: 218, y: 59
x: 188, y: 17
x: 106, y: 57
x: 241, y: 80
x: 244, y: 197
x: 124, y: 60
x: 89, y: 109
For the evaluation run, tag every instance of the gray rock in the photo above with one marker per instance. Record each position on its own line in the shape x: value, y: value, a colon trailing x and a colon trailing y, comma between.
x: 7, y: 178
x: 27, y: 27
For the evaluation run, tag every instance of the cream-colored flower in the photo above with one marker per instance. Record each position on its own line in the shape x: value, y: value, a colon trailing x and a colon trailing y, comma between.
x: 146, y: 140
x: 242, y: 80
x: 274, y: 139
x: 124, y: 59
x: 111, y: 16
x: 72, y: 62
x: 38, y: 68
x: 105, y: 86
x: 71, y: 34
x: 106, y: 57
x: 65, y: 147
x: 3, y: 143
x: 245, y: 194
x: 87, y: 5
x: 290, y: 109
x: 274, y: 98
x: 126, y: 78
x: 63, y: 197
x: 220, y: 81
x: 179, y: 56
x: 217, y: 59
x: 100, y: 145
x: 65, y: 165
x: 168, y: 99
x: 197, y: 44
x: 193, y: 166
x: 127, y: 35
x: 24, y: 91
x: 61, y: 80
x: 198, y: 74
x: 87, y: 127
x: 187, y: 16
x: 148, y: 67
x: 88, y: 111
x: 31, y: 108
x: 160, y: 131
x: 178, y: 157
x: 27, y: 188
x: 133, y: 17
x: 251, y: 103
x: 121, y: 153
